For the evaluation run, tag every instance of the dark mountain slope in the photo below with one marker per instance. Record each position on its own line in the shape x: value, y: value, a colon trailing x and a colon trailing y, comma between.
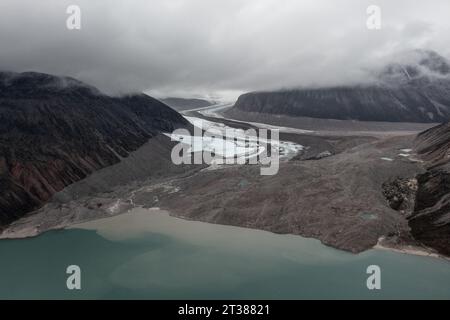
x: 55, y: 131
x: 415, y: 91
x: 430, y: 220
x: 433, y: 145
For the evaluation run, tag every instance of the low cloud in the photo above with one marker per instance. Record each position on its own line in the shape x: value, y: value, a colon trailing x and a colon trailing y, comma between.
x: 215, y: 47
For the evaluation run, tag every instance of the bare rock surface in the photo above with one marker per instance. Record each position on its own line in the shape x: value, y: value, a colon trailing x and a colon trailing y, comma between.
x: 417, y: 91
x: 55, y: 131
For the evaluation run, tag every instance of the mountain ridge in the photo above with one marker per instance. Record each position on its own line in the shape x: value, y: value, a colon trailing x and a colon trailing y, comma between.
x: 414, y: 91
x: 57, y: 130
x: 182, y: 104
x: 430, y: 219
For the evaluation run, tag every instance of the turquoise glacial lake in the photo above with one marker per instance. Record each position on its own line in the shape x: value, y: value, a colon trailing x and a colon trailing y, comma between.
x: 147, y: 254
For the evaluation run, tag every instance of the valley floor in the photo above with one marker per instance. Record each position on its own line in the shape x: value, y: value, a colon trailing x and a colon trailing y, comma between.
x: 336, y: 198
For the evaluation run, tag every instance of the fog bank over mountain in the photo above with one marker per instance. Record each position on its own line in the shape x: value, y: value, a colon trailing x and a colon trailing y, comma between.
x: 211, y: 47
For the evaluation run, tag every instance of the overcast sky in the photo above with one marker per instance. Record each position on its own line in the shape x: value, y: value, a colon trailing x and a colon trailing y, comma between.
x: 215, y: 47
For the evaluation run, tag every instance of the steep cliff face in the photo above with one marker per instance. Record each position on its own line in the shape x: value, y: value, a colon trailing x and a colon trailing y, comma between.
x: 430, y: 220
x: 433, y: 145
x: 55, y: 131
x: 416, y: 91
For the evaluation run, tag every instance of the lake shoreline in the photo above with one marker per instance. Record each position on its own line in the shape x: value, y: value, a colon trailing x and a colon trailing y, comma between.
x: 32, y: 232
x: 411, y: 250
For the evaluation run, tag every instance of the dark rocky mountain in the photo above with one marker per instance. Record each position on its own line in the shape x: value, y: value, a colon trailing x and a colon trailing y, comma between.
x: 433, y: 145
x: 185, y: 104
x: 430, y: 220
x: 417, y: 90
x: 57, y: 130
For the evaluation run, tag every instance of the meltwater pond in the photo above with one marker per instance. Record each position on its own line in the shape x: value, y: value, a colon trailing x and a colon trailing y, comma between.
x: 147, y: 254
